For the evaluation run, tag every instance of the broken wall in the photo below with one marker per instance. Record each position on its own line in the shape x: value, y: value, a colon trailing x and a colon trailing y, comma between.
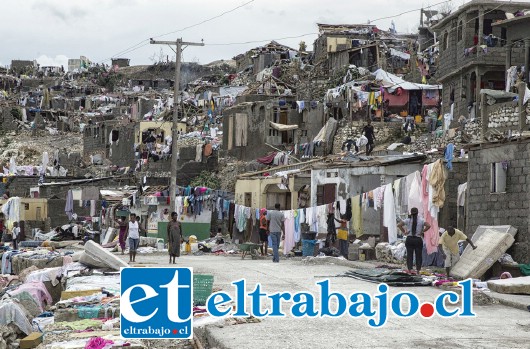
x: 260, y: 132
x: 7, y: 121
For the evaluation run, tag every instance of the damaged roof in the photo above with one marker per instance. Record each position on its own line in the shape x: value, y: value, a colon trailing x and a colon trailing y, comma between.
x: 366, y: 161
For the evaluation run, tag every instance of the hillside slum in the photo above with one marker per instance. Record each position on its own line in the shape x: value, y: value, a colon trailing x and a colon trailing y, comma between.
x: 366, y: 124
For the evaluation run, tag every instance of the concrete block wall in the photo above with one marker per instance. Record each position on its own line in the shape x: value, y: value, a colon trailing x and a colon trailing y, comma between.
x: 122, y: 152
x: 93, y: 141
x: 510, y: 208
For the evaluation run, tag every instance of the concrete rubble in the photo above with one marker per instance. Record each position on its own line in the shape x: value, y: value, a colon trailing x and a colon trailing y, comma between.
x: 520, y: 285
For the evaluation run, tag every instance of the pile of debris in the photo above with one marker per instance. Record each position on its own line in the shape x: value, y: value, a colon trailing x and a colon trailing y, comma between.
x: 28, y: 149
x: 231, y: 168
x: 386, y: 133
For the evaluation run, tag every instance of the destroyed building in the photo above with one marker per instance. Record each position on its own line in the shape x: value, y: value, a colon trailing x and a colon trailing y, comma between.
x: 263, y: 57
x: 76, y: 64
x: 20, y: 66
x: 339, y: 46
x: 120, y: 62
x: 255, y: 124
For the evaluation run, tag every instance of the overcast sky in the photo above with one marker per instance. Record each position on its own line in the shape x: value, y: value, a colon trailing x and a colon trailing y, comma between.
x: 52, y: 31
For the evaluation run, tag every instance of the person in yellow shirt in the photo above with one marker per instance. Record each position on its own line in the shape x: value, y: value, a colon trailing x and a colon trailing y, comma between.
x: 449, y: 241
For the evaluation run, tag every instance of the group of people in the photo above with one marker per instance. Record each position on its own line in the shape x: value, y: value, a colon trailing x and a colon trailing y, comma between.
x: 130, y: 232
x: 414, y: 227
x: 367, y: 139
x: 272, y: 223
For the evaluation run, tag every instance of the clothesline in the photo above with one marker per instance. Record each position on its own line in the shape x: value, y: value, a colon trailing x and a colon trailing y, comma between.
x: 424, y: 190
x: 203, y: 191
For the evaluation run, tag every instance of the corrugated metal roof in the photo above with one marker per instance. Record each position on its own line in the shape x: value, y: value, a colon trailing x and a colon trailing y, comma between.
x: 364, y: 161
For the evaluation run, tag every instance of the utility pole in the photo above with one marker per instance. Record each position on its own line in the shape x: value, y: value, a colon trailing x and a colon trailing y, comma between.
x: 173, y: 180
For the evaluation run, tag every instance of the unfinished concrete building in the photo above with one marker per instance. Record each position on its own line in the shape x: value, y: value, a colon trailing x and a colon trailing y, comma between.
x: 473, y: 53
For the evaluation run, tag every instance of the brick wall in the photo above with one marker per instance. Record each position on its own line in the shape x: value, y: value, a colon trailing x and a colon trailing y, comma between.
x: 510, y: 208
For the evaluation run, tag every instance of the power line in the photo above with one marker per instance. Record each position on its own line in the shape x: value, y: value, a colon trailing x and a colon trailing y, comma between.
x: 258, y: 41
x: 145, y: 42
x: 207, y: 20
x: 402, y: 13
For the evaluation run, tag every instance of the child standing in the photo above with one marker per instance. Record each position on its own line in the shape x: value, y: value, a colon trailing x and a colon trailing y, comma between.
x: 15, y: 232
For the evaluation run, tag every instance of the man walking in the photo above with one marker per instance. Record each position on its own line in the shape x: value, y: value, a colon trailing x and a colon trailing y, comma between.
x: 369, y: 133
x: 275, y: 220
x: 449, y: 241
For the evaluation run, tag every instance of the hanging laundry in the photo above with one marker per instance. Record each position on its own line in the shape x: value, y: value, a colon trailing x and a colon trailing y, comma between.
x: 348, y: 213
x: 461, y: 197
x: 414, y: 196
x: 69, y: 207
x: 289, y: 239
x: 449, y: 150
x: 397, y: 199
x: 297, y: 227
x: 431, y: 236
x: 432, y: 208
x: 377, y: 198
x: 342, y: 206
x: 300, y: 106
x: 389, y: 214
x: 357, y: 219
x: 437, y: 180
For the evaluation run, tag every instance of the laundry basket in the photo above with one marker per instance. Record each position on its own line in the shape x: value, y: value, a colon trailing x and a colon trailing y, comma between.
x: 308, y: 247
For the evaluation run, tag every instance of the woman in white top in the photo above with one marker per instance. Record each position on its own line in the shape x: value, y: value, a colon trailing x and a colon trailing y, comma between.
x: 133, y: 233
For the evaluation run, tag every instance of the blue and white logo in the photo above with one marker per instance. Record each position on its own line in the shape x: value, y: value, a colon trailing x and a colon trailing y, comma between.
x: 156, y: 303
